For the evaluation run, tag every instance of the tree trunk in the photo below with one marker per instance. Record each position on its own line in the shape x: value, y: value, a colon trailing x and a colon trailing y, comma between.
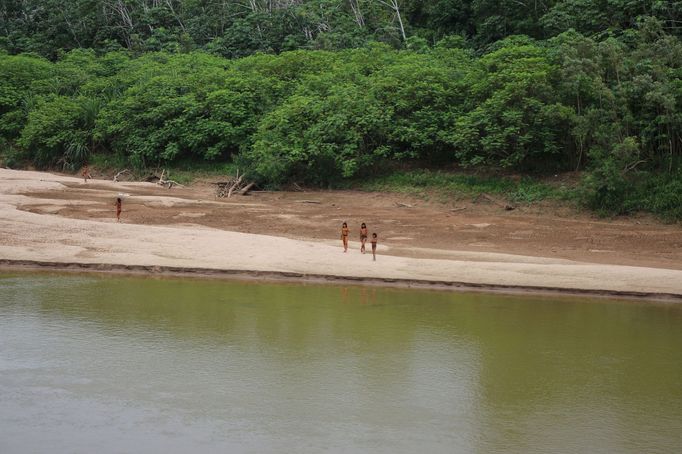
x: 357, y: 12
x: 396, y: 8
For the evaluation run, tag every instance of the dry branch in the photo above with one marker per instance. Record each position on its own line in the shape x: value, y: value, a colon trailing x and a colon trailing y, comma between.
x: 234, y: 186
x: 165, y: 182
x: 403, y: 205
x: 119, y: 174
x: 308, y: 201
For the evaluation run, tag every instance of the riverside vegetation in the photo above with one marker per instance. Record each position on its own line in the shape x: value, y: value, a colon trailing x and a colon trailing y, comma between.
x: 324, y: 92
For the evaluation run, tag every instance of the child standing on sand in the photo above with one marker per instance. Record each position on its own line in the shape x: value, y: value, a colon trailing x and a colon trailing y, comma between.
x: 118, y: 209
x: 363, y: 237
x: 344, y: 236
x: 374, y: 247
x: 86, y: 173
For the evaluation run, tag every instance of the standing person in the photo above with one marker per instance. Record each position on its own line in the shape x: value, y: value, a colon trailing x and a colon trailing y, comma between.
x: 374, y: 247
x: 118, y: 209
x: 344, y: 236
x: 86, y: 173
x: 363, y: 237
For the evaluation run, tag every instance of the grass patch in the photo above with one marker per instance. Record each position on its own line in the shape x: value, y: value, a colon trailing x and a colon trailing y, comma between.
x: 184, y: 172
x: 449, y: 185
x: 109, y: 162
x: 189, y: 172
x: 659, y: 194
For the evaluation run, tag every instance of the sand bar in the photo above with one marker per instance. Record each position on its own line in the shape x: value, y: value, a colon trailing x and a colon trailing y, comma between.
x: 51, y: 239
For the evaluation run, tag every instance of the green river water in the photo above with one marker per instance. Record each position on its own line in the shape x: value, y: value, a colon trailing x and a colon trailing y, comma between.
x: 114, y: 365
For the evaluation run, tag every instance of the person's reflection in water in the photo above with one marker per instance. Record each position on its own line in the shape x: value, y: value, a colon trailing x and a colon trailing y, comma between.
x: 344, y: 294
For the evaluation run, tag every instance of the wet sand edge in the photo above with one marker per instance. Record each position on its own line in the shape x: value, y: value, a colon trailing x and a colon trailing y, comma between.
x: 294, y: 277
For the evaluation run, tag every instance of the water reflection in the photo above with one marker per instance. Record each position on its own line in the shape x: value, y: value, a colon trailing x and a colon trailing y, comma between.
x: 277, y: 367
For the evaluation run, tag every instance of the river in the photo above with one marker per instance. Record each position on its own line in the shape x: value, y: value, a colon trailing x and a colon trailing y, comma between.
x: 123, y: 364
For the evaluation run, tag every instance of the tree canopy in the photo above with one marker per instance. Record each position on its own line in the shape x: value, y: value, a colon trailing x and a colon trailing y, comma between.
x: 318, y: 91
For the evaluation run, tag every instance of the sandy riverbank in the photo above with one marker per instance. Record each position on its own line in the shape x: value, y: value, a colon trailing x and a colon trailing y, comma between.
x: 37, y: 223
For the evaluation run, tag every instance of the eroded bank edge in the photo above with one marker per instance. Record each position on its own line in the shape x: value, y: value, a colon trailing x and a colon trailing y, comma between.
x: 294, y: 277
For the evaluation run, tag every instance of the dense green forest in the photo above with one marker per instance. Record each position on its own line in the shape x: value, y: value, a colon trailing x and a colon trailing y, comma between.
x: 323, y: 91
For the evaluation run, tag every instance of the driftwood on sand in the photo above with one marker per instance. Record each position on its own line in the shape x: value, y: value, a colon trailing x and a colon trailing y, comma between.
x: 490, y: 198
x: 245, y: 190
x: 237, y: 183
x: 233, y: 185
x: 119, y: 174
x: 163, y: 181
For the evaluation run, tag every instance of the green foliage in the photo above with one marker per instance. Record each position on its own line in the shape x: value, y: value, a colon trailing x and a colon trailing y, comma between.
x: 513, y: 116
x: 159, y: 115
x: 422, y: 94
x: 237, y: 29
x: 10, y: 156
x: 612, y: 185
x: 661, y: 194
x: 319, y: 139
x: 324, y: 92
x: 56, y: 133
x: 22, y: 77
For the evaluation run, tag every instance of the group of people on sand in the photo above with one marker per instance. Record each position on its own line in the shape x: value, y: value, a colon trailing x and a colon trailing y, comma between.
x: 345, y: 231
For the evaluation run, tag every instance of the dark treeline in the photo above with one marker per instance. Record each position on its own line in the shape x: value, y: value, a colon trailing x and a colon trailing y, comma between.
x: 321, y: 91
x: 236, y: 28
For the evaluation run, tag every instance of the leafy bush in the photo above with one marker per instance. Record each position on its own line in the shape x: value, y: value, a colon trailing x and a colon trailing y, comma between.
x: 10, y: 156
x: 53, y: 133
x: 609, y: 103
x: 610, y: 185
x: 319, y: 139
x: 662, y: 195
x: 22, y: 77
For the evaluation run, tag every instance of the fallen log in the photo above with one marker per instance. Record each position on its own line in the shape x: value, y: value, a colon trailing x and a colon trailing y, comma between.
x: 308, y: 201
x: 490, y: 198
x: 403, y: 205
x: 245, y: 190
x: 454, y: 210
